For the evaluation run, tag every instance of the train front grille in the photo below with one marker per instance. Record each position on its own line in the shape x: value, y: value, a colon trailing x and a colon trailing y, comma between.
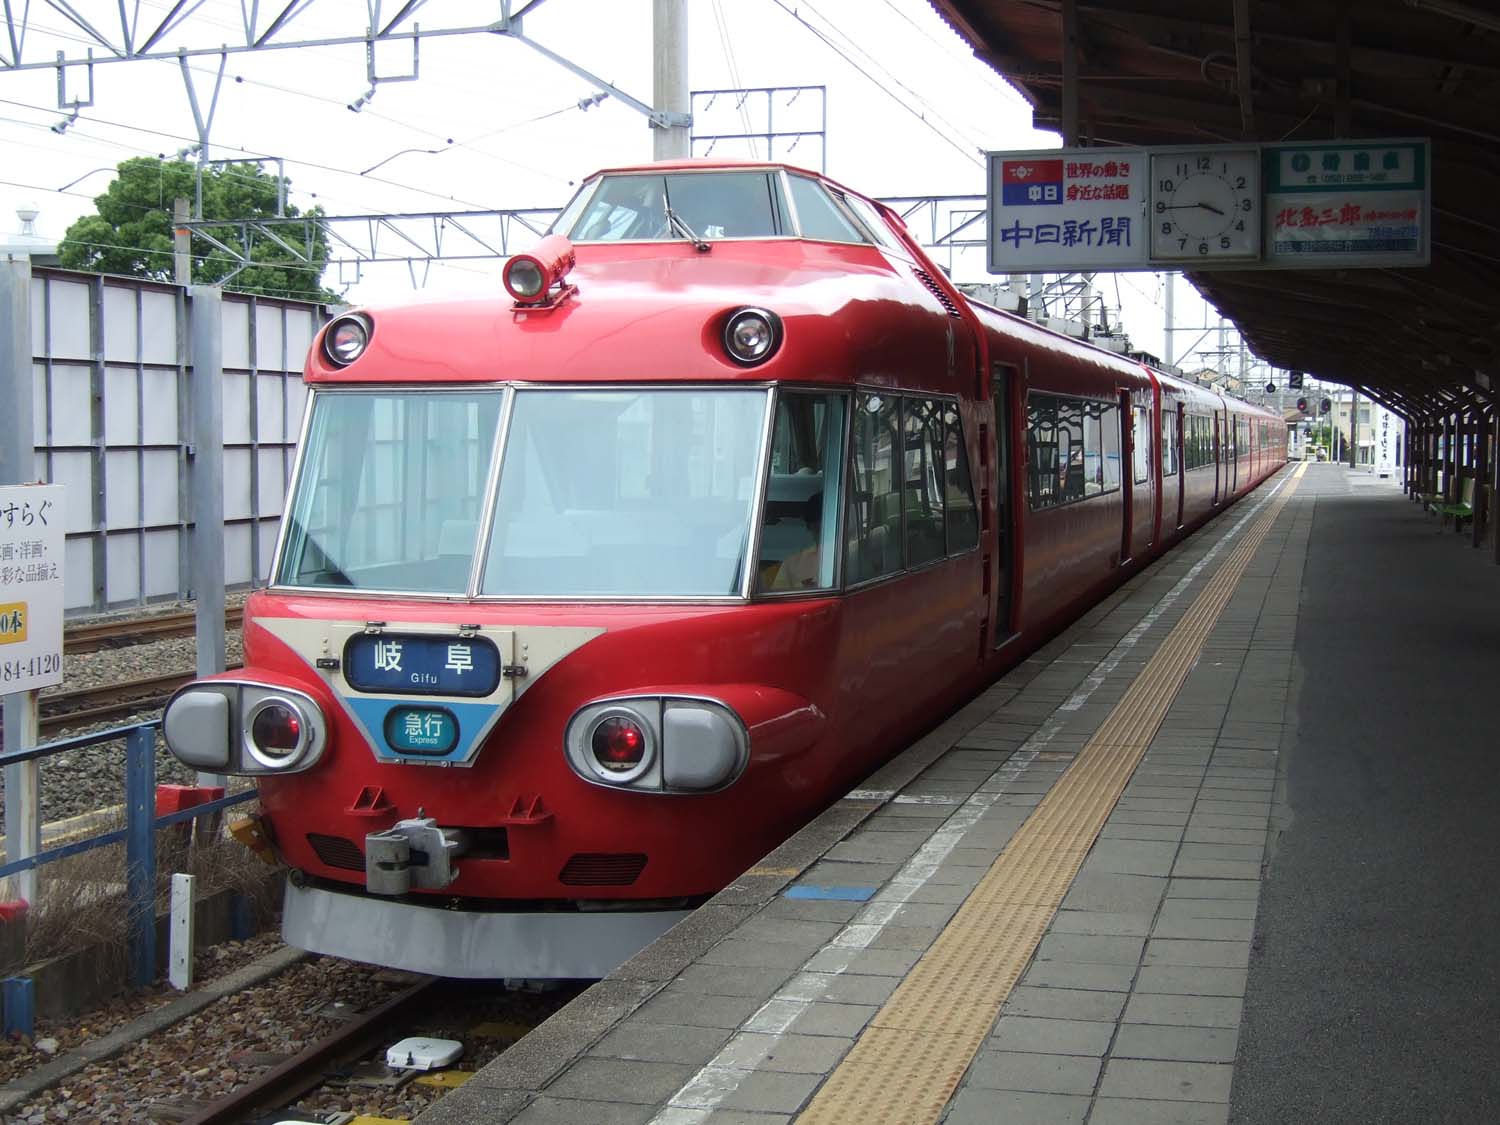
x: 602, y: 869
x: 336, y: 851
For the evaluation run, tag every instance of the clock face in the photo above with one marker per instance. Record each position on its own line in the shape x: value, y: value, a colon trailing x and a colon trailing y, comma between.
x: 1205, y: 204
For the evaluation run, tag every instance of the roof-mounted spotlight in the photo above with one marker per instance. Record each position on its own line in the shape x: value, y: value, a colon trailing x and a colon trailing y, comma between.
x: 537, y: 279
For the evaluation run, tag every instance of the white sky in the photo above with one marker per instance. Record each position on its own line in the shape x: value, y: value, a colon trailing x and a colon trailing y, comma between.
x: 911, y: 119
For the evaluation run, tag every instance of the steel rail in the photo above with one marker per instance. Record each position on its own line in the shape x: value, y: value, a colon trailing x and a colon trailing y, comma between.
x: 302, y: 1072
x: 134, y: 630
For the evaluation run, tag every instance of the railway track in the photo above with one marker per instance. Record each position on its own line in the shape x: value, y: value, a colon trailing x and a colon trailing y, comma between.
x: 135, y: 630
x: 78, y: 707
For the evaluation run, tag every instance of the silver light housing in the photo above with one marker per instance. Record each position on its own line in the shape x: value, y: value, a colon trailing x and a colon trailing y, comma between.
x: 209, y: 726
x: 346, y: 339
x: 693, y: 745
x: 752, y: 335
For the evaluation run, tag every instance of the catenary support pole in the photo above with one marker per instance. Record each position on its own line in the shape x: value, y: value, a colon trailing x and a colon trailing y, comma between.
x: 205, y: 308
x: 670, y: 77
x: 23, y: 824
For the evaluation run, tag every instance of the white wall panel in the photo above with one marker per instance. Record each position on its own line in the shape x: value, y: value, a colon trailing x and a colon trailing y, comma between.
x: 236, y: 484
x: 121, y: 409
x: 159, y: 327
x: 122, y: 498
x: 236, y: 329
x: 69, y: 407
x: 269, y: 421
x: 159, y: 392
x: 68, y: 318
x: 78, y: 581
x: 75, y: 472
x: 161, y: 487
x: 271, y: 480
x: 270, y: 341
x: 267, y: 532
x: 121, y: 336
x: 161, y: 564
x: 301, y: 326
x: 122, y: 569
x: 236, y: 408
x: 237, y: 553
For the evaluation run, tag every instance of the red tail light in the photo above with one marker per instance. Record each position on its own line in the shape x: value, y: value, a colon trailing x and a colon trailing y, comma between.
x: 276, y: 730
x: 619, y: 744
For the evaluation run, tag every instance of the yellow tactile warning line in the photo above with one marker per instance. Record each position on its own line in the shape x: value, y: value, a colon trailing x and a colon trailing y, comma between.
x: 907, y: 1064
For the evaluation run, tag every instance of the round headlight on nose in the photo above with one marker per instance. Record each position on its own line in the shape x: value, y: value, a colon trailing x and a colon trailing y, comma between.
x: 524, y: 278
x: 346, y: 339
x: 277, y: 732
x: 752, y: 336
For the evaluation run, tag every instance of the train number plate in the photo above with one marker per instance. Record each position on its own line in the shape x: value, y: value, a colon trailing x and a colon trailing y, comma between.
x: 421, y: 664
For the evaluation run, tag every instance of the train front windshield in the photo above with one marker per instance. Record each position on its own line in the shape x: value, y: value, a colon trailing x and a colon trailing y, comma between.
x: 601, y: 493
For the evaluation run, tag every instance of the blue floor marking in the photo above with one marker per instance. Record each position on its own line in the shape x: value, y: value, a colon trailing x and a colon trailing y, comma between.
x: 841, y: 894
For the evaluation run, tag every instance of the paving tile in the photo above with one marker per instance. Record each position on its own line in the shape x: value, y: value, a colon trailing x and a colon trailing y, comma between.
x: 840, y: 988
x: 1051, y: 1036
x: 1182, y: 1044
x: 1102, y: 923
x: 1065, y: 1004
x: 691, y: 1009
x: 1183, y: 1011
x: 1216, y: 869
x: 1119, y: 830
x: 634, y: 1039
x: 1073, y: 974
x: 1205, y: 929
x: 616, y: 1080
x: 1183, y: 981
x: 872, y: 962
x: 729, y: 980
x: 793, y: 1053
x: 1140, y: 1111
x: 1034, y: 1073
x: 570, y: 1111
x: 1244, y: 837
x: 1131, y: 857
x: 1208, y: 908
x: 1091, y: 948
x: 764, y: 928
x: 1115, y: 893
x: 1214, y: 888
x: 811, y: 910
x: 757, y: 954
x: 844, y: 1020
x: 919, y: 914
x: 1240, y: 853
x: 1166, y: 1081
x: 917, y: 937
x: 1198, y: 954
x: 768, y: 1091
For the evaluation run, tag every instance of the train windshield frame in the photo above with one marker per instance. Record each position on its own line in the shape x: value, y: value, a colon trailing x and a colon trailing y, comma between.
x: 564, y: 493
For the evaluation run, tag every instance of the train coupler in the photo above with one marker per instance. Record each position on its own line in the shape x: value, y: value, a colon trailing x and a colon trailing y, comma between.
x: 412, y: 854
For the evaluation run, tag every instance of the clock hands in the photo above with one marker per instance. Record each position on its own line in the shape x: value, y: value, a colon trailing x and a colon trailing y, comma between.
x: 1191, y: 206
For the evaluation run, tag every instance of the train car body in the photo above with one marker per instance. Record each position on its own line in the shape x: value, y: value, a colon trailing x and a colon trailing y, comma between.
x: 588, y: 595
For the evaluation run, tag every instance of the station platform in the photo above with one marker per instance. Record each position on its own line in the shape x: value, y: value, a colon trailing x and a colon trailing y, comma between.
x: 1224, y: 850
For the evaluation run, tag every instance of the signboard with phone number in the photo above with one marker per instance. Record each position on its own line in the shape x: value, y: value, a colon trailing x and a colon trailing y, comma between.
x: 31, y: 587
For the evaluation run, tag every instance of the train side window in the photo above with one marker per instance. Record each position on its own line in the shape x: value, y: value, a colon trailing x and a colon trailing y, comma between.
x: 1142, y: 451
x: 925, y: 493
x: 819, y: 217
x: 873, y: 529
x: 1168, y: 450
x: 800, y: 522
x: 963, y: 517
x: 1042, y: 453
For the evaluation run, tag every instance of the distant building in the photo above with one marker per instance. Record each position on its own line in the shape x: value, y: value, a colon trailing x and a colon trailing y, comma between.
x: 26, y: 243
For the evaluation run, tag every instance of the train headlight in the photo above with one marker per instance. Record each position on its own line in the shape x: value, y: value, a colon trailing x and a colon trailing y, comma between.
x: 658, y: 744
x: 752, y: 336
x: 229, y: 726
x: 531, y: 277
x: 346, y: 339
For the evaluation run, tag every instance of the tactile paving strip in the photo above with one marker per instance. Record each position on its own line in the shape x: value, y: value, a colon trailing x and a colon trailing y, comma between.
x: 907, y: 1064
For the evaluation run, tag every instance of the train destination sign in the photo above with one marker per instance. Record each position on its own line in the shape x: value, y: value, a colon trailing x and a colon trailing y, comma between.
x: 1309, y: 205
x: 31, y: 586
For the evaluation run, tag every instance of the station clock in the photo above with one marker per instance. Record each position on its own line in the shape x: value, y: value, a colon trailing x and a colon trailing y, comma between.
x: 1205, y: 204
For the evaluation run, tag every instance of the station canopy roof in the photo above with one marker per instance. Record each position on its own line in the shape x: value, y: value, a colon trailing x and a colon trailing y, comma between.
x: 1156, y: 72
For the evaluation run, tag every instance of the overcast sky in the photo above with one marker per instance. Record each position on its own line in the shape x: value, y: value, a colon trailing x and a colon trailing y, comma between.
x: 909, y: 112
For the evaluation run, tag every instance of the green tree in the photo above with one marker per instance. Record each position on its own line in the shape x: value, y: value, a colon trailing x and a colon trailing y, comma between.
x: 131, y: 233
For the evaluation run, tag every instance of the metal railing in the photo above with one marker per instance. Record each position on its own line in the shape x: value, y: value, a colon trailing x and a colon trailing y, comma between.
x: 138, y: 835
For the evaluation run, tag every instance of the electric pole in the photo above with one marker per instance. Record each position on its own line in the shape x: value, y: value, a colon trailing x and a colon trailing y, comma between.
x: 670, y: 77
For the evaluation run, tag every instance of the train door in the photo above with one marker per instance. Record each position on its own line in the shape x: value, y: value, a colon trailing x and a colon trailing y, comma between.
x: 1218, y: 439
x: 998, y: 572
x: 1127, y: 477
x: 1177, y: 461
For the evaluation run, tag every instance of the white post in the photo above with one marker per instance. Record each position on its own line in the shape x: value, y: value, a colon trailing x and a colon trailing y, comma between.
x: 207, y: 475
x: 670, y: 77
x: 1170, y: 351
x: 23, y: 828
x: 180, y: 970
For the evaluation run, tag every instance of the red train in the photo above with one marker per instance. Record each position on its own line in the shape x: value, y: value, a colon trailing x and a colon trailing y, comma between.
x: 588, y: 595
